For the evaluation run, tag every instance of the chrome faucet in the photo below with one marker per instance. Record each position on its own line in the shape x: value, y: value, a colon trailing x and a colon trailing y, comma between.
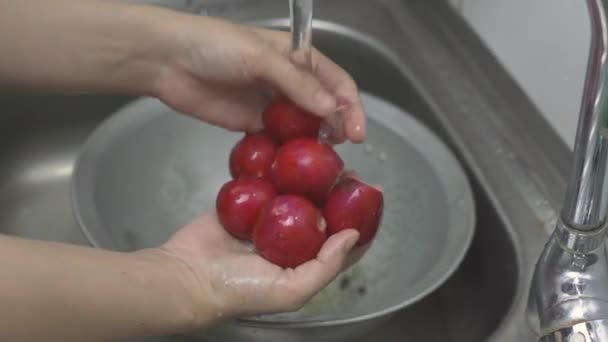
x: 569, y: 290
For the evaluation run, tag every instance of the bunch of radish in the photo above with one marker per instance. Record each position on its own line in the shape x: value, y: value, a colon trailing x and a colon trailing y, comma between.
x: 290, y: 191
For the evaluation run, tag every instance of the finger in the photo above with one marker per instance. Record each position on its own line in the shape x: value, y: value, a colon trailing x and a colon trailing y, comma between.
x: 309, y: 278
x: 355, y: 255
x: 349, y: 119
x: 350, y: 173
x: 299, y: 85
x: 342, y: 85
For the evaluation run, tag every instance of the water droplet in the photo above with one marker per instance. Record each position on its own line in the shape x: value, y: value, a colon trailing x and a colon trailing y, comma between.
x: 369, y: 148
x: 225, y: 279
x: 250, y: 246
x: 219, y: 314
x: 382, y: 156
x: 325, y: 132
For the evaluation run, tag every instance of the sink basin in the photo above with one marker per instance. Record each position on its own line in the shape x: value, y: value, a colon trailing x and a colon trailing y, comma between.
x: 419, y: 56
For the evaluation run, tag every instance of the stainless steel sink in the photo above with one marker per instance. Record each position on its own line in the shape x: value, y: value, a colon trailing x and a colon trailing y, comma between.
x: 417, y: 54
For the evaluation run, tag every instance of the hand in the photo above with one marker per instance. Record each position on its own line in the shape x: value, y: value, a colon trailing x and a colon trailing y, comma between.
x: 242, y: 282
x: 224, y: 74
x: 220, y: 72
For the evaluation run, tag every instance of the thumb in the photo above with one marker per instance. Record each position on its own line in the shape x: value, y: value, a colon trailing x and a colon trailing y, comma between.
x: 310, y: 277
x: 300, y: 85
x: 337, y: 247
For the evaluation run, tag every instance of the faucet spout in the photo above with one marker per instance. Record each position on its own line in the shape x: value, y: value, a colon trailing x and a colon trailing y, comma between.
x: 569, y: 291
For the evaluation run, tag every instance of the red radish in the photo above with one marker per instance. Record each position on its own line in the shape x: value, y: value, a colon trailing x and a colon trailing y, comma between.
x: 290, y: 231
x: 252, y: 156
x: 239, y: 203
x: 354, y: 204
x: 306, y: 167
x: 284, y: 121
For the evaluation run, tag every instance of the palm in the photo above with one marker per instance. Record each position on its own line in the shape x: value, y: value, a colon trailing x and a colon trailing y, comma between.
x: 230, y: 94
x: 245, y: 279
x: 234, y: 107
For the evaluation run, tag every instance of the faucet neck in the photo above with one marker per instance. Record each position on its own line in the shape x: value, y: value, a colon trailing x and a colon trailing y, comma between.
x: 585, y: 202
x: 569, y: 284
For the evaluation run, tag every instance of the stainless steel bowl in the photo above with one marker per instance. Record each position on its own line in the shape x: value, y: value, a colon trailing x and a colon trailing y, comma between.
x: 147, y: 170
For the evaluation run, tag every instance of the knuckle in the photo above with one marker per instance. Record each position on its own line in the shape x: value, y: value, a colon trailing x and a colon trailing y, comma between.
x: 317, y: 91
x: 313, y: 89
x: 253, y: 61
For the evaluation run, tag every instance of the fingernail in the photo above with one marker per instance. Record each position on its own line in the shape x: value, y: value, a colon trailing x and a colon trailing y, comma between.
x: 350, y: 243
x: 343, y: 103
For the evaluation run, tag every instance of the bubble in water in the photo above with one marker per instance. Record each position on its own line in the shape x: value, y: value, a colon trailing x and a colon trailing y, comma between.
x: 369, y: 148
x: 250, y: 246
x: 382, y: 156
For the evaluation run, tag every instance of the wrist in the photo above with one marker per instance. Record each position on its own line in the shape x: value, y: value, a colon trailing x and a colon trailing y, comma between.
x: 167, y: 292
x: 146, y: 50
x: 192, y: 303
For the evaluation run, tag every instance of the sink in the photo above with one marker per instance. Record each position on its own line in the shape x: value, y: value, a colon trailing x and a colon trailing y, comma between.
x: 418, y: 55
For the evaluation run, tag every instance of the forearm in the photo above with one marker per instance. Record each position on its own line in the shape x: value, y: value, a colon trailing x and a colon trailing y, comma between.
x: 57, y: 292
x: 81, y: 45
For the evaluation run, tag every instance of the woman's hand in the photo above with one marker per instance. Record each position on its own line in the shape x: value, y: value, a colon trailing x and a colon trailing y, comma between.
x: 215, y: 265
x: 220, y: 72
x: 225, y: 73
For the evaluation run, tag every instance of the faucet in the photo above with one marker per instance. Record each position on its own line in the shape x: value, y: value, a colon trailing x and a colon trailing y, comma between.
x: 569, y: 290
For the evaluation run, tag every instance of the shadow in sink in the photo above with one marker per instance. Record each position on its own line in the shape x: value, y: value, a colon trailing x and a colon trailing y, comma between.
x: 39, y: 139
x: 40, y: 136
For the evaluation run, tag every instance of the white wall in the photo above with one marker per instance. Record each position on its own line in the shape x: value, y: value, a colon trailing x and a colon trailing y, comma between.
x: 544, y: 44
